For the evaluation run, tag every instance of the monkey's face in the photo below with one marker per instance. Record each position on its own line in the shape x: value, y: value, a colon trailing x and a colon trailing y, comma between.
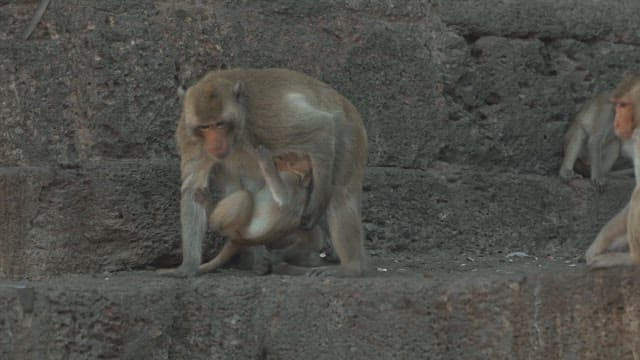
x: 624, y: 122
x: 215, y: 115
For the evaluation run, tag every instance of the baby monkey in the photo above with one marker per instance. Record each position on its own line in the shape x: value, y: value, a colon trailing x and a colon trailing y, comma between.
x: 270, y: 216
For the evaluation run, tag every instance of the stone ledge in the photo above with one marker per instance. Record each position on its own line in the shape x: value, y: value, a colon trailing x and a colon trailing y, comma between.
x: 550, y: 313
x: 123, y: 215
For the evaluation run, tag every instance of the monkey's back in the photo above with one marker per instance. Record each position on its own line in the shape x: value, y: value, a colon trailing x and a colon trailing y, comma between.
x: 269, y: 91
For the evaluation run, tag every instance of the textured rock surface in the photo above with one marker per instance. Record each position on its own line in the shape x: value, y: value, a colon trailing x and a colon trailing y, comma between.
x: 480, y: 315
x: 465, y: 104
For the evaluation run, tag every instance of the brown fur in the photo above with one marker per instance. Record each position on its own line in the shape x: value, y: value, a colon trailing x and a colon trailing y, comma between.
x: 285, y: 112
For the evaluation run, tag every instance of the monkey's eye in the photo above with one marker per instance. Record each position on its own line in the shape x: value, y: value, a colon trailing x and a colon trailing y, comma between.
x: 623, y: 104
x: 221, y: 125
x: 204, y: 127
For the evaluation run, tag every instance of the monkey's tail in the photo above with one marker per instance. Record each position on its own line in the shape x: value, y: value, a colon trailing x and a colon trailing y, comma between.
x: 225, y: 255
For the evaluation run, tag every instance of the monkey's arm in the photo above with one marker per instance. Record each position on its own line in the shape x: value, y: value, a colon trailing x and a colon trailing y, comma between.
x: 596, y: 150
x: 193, y: 215
x: 194, y: 167
x: 575, y: 139
x: 279, y: 191
x: 636, y: 153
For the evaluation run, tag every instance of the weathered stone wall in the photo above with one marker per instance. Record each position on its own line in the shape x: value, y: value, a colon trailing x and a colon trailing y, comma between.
x: 473, y: 316
x: 465, y: 104
x: 89, y: 107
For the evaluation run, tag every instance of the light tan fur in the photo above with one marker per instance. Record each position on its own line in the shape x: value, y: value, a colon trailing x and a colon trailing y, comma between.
x: 624, y: 226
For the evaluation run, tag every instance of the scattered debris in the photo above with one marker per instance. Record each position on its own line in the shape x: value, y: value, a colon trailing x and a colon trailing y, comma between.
x: 518, y: 254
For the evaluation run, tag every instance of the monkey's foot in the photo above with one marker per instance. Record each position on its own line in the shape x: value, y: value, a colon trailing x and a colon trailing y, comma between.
x: 179, y: 272
x: 283, y: 268
x: 308, y: 221
x: 593, y: 252
x: 569, y: 174
x: 335, y: 271
x: 607, y: 260
x: 261, y: 266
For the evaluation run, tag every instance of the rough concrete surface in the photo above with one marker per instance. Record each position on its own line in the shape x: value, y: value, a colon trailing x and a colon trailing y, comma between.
x: 475, y: 244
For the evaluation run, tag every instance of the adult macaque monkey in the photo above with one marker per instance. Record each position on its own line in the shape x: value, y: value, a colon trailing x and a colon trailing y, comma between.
x: 591, y: 138
x: 625, y: 226
x: 228, y: 114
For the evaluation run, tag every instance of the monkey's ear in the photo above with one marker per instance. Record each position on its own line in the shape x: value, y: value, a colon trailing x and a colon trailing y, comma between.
x: 238, y: 89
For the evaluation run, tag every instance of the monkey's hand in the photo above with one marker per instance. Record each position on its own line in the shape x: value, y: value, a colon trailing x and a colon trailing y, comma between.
x: 263, y: 154
x: 590, y: 254
x: 636, y: 135
x: 201, y: 196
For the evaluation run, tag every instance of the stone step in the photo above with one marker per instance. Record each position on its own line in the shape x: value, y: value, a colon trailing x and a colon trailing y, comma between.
x: 119, y: 215
x: 551, y: 313
x: 101, y: 216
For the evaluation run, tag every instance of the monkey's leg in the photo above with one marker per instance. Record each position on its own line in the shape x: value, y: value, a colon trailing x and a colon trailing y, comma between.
x: 347, y: 235
x: 636, y: 154
x: 634, y: 226
x: 597, y: 154
x: 279, y: 191
x: 322, y: 153
x: 608, y: 157
x: 572, y: 150
x: 228, y: 251
x: 615, y: 228
x: 193, y: 217
x: 620, y: 243
x: 607, y: 260
x: 322, y: 174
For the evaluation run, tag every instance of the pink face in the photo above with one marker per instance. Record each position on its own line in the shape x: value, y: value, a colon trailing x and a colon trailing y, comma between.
x: 623, y: 123
x: 216, y: 139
